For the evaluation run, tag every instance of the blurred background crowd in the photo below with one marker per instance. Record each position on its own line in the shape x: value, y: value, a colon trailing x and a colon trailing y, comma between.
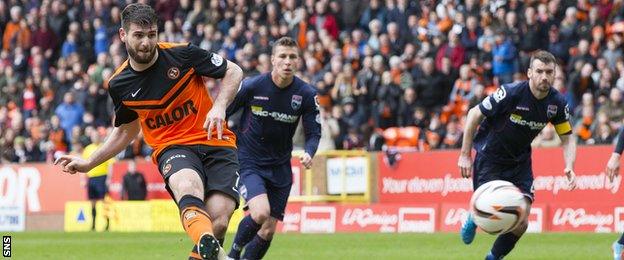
x: 394, y: 72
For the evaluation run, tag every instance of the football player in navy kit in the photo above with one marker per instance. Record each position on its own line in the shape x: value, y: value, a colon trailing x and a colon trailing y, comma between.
x: 508, y: 121
x: 272, y: 104
x: 613, y: 170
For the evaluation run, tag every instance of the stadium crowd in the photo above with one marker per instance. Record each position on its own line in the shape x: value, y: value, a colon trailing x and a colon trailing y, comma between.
x: 376, y: 64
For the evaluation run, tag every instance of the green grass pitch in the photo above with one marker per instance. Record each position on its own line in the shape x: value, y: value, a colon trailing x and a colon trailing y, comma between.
x: 58, y: 245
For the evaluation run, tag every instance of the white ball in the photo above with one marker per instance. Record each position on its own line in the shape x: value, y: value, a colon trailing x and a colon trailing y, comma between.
x: 498, y: 207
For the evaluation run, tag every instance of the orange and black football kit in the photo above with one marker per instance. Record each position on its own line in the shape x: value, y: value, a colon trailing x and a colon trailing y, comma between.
x: 171, y: 101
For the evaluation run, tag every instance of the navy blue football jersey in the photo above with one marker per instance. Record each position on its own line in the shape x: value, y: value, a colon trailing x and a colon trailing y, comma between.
x: 514, y: 117
x: 270, y: 118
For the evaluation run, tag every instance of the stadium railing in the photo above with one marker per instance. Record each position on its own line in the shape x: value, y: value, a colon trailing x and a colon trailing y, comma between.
x: 351, y: 184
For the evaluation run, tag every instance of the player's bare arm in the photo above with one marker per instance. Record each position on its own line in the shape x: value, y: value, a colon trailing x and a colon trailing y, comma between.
x: 568, y: 143
x: 117, y: 141
x: 230, y: 83
x: 473, y: 120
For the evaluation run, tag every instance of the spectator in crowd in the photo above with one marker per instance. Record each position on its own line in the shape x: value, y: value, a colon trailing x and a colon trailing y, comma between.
x: 388, y: 97
x: 461, y: 94
x: 580, y: 83
x: 453, y: 135
x: 612, y: 54
x: 58, y: 136
x: 323, y: 20
x: 603, y: 134
x: 16, y: 32
x: 52, y: 48
x: 470, y: 35
x: 614, y: 109
x: 375, y: 11
x: 407, y: 107
x: 430, y: 87
x: 69, y: 113
x: 504, y: 54
x: 452, y: 50
x: 533, y: 37
x: 133, y: 186
x: 547, y: 138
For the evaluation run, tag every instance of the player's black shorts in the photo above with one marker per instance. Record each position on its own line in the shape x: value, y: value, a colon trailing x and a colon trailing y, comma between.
x: 520, y: 174
x: 217, y: 167
x: 254, y: 182
x: 96, y: 188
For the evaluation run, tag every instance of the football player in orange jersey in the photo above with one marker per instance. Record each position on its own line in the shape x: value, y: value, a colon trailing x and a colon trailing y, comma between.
x: 160, y: 91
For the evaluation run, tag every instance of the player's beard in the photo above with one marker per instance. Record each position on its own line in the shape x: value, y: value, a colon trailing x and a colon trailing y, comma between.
x: 544, y: 86
x: 141, y: 57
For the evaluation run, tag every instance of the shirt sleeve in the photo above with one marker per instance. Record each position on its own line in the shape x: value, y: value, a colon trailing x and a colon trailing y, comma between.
x: 561, y: 121
x: 123, y: 114
x: 496, y: 103
x: 619, y: 147
x: 206, y: 63
x: 242, y: 97
x: 311, y: 123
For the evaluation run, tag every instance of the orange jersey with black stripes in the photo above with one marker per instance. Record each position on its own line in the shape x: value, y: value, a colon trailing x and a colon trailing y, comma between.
x: 170, y: 98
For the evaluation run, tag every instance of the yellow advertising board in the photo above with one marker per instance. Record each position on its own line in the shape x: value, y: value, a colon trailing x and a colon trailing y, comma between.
x: 130, y: 216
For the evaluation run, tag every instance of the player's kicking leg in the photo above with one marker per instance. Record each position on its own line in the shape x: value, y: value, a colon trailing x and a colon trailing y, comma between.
x: 188, y: 190
x: 506, y: 242
x: 618, y: 248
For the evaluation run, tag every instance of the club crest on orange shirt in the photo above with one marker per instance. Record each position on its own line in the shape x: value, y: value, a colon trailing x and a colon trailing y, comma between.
x: 173, y: 73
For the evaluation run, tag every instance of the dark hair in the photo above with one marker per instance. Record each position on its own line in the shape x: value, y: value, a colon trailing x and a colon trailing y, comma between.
x: 543, y: 56
x: 285, y: 41
x: 140, y: 14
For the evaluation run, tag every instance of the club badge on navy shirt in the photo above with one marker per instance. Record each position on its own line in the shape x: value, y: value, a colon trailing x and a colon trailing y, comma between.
x: 552, y: 111
x: 295, y: 103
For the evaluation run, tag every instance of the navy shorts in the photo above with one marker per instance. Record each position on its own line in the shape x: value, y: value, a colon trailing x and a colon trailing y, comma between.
x: 217, y: 167
x: 97, y: 187
x: 257, y: 180
x: 520, y: 174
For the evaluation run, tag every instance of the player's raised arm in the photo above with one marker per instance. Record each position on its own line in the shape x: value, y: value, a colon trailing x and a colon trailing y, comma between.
x: 212, y: 65
x: 613, y: 165
x: 118, y: 140
x: 229, y: 86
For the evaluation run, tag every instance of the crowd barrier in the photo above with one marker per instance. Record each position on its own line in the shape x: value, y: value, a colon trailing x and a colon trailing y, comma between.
x: 420, y: 192
x: 596, y: 205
